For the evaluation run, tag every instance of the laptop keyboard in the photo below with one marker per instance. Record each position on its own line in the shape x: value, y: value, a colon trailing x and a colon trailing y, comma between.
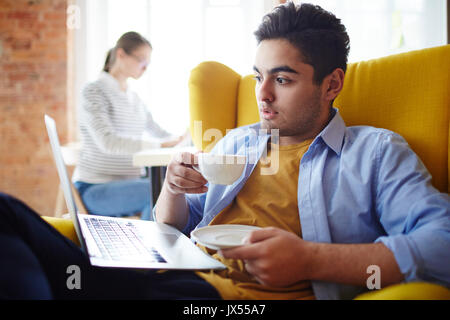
x: 120, y: 240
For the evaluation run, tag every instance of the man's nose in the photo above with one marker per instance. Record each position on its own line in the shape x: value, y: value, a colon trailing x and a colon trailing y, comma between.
x: 264, y: 91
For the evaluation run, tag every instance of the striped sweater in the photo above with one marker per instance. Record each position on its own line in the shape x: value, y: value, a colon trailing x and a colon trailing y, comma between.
x: 113, y: 125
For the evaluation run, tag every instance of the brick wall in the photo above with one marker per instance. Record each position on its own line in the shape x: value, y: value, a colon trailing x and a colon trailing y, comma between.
x: 33, y: 82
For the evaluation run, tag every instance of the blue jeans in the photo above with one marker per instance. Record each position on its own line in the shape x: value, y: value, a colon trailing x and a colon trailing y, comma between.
x: 117, y: 198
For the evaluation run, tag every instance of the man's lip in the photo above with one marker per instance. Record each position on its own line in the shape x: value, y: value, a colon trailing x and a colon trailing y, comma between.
x: 268, y: 114
x: 267, y: 110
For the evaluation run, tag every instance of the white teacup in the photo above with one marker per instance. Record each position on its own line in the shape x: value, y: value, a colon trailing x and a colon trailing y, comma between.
x: 220, y: 168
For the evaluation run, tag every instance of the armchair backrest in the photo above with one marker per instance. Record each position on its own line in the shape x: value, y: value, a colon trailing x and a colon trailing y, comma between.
x: 408, y: 93
x: 220, y: 99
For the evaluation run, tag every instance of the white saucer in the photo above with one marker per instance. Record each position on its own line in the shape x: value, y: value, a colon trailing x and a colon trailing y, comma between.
x: 222, y: 236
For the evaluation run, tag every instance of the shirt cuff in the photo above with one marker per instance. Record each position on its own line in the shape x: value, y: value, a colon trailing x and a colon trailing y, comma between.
x: 406, y: 255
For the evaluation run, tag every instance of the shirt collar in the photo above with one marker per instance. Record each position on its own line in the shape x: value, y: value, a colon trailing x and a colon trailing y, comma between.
x: 333, y: 133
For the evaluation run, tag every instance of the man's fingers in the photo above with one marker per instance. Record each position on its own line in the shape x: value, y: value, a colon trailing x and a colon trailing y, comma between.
x: 254, y: 248
x: 251, y: 267
x: 188, y: 174
x: 182, y: 182
x: 186, y: 158
x: 176, y: 189
x: 181, y: 178
x: 261, y: 234
x: 245, y: 252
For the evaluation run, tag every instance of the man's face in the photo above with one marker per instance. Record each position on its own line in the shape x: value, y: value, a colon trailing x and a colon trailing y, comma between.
x: 287, y: 97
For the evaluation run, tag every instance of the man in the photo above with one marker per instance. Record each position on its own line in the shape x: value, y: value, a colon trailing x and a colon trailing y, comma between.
x: 343, y: 201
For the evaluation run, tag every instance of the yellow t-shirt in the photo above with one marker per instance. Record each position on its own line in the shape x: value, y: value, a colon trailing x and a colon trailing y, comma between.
x: 269, y: 198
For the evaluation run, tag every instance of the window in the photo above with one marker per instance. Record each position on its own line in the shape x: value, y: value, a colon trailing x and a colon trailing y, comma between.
x: 183, y: 34
x: 383, y: 27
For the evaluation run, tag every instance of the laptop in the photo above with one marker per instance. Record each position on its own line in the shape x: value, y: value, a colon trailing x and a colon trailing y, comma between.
x: 127, y: 243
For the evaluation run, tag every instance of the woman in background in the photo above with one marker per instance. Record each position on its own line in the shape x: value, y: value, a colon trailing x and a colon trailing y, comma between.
x: 114, y: 123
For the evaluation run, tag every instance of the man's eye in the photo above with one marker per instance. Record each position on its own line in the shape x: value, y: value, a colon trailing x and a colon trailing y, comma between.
x: 257, y: 78
x: 282, y: 80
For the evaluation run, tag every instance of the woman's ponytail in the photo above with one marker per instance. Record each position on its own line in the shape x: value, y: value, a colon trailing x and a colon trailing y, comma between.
x: 108, y: 61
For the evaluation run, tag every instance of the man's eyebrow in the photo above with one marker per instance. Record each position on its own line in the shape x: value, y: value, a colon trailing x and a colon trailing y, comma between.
x: 277, y: 69
x: 282, y: 69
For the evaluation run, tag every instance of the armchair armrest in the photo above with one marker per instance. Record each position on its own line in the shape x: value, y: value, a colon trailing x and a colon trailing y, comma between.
x: 408, y: 291
x: 64, y: 226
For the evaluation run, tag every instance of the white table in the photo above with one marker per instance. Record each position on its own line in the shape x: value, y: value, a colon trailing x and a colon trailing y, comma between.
x: 155, y: 161
x: 158, y: 157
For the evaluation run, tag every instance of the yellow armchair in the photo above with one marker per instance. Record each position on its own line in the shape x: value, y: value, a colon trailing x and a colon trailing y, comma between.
x: 407, y: 93
x: 65, y: 227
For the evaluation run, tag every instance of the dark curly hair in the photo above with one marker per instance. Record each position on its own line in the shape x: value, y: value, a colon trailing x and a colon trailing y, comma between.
x: 320, y: 37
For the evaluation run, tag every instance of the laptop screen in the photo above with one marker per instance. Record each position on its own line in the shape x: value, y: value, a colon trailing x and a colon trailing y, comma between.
x: 63, y: 176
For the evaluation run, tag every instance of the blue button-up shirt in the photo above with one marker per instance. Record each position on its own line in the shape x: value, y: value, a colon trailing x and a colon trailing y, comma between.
x: 356, y: 185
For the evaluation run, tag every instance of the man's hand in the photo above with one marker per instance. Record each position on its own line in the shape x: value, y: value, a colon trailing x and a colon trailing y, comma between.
x: 182, y: 178
x: 275, y: 257
x: 171, y: 207
x: 279, y: 258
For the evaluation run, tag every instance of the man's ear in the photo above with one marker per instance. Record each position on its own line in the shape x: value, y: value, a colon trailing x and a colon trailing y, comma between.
x: 333, y: 84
